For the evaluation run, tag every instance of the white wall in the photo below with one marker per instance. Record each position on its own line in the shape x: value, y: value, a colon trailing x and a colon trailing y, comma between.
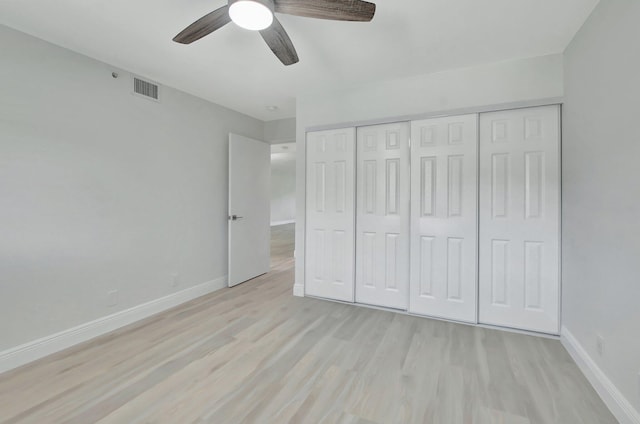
x: 497, y: 83
x: 102, y: 190
x: 601, y: 193
x: 283, y: 186
x: 280, y: 131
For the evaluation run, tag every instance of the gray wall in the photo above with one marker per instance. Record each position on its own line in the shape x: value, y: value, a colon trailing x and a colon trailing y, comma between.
x: 283, y: 187
x: 601, y: 191
x: 280, y: 131
x: 102, y: 190
x: 283, y: 169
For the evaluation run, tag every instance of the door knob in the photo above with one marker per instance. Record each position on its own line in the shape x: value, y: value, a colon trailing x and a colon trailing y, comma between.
x: 235, y: 217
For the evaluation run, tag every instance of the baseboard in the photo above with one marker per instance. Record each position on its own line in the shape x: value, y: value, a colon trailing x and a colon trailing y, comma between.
x: 31, y: 351
x: 298, y: 290
x: 615, y: 401
x: 290, y: 221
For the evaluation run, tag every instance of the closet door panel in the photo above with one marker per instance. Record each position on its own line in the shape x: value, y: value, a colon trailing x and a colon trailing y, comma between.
x: 519, y: 218
x: 382, y: 215
x: 444, y: 217
x: 330, y: 206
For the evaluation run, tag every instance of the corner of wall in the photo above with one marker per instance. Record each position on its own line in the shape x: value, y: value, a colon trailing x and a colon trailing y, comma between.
x: 612, y: 397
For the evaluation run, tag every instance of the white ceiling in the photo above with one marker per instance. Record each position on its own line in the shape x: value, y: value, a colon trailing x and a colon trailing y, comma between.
x: 233, y: 67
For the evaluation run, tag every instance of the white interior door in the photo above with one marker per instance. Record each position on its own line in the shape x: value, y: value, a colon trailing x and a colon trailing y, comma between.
x: 519, y: 218
x: 382, y: 217
x: 444, y: 217
x: 330, y: 205
x: 249, y: 208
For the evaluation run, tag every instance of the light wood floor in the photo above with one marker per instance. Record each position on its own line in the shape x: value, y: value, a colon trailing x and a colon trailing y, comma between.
x: 255, y: 353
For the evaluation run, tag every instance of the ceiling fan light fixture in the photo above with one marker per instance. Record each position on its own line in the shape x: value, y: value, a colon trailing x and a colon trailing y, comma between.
x: 251, y: 14
x: 258, y: 15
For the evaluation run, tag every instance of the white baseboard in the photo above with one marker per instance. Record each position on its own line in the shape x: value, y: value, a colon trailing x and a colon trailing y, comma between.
x: 615, y: 401
x: 290, y: 221
x: 298, y: 290
x: 31, y: 351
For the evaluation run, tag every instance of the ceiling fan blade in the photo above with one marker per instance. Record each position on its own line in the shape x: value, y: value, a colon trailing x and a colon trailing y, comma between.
x: 279, y: 42
x: 337, y: 10
x: 204, y: 26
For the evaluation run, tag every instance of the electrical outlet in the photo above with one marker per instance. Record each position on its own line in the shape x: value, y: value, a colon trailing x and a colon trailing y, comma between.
x: 112, y: 298
x: 600, y: 345
x: 175, y: 281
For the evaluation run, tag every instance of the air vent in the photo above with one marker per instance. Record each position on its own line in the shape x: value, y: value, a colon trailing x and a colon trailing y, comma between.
x: 145, y: 88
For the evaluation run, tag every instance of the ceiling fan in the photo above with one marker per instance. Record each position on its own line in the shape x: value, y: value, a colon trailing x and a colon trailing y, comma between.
x: 258, y: 15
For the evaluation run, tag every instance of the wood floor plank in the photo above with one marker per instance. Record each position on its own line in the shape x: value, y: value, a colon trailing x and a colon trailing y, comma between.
x: 256, y: 354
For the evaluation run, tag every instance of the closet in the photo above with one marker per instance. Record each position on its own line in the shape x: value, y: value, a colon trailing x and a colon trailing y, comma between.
x: 454, y: 217
x: 382, y: 216
x: 443, y: 217
x: 520, y: 219
x: 330, y: 206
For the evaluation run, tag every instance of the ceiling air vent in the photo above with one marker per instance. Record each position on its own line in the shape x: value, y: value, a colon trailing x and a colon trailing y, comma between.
x: 146, y: 89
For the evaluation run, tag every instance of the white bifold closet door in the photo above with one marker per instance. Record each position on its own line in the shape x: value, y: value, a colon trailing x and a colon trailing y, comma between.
x: 382, y: 215
x: 330, y: 206
x: 519, y: 218
x: 444, y: 217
